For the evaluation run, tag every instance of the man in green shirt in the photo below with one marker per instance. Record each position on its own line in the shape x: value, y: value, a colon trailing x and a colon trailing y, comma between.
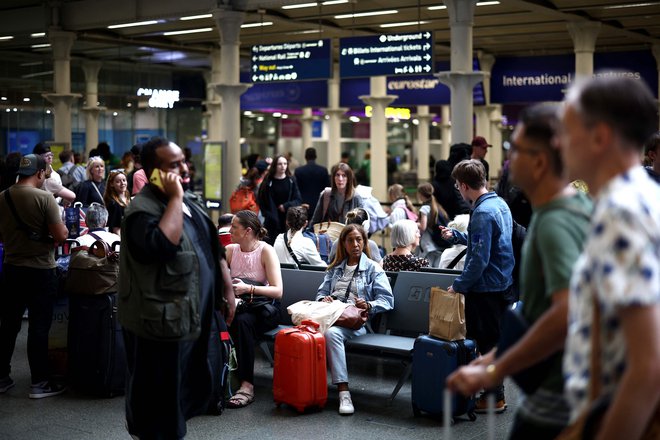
x: 553, y: 243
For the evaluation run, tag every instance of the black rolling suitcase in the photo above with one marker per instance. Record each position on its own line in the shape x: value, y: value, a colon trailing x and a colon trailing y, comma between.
x: 97, y: 359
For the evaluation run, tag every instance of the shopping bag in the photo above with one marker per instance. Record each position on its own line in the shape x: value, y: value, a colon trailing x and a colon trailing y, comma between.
x: 447, y: 315
x: 323, y: 313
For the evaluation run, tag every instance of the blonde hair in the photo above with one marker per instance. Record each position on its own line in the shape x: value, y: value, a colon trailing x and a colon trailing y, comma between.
x: 397, y: 192
x: 90, y: 164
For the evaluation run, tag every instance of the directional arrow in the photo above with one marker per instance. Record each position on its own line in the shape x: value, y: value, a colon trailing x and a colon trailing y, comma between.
x: 427, y: 57
x: 255, y: 67
x: 427, y: 46
x: 255, y: 58
x: 427, y: 68
x: 254, y: 78
x: 427, y: 35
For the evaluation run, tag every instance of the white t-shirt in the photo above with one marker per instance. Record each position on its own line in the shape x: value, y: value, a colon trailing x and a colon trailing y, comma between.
x: 88, y: 239
x: 304, y: 249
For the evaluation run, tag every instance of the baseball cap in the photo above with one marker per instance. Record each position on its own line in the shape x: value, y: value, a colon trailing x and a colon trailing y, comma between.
x: 29, y: 165
x: 479, y: 141
x: 261, y: 165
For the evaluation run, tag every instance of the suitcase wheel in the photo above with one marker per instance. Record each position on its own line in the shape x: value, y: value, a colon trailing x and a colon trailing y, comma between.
x: 472, y: 416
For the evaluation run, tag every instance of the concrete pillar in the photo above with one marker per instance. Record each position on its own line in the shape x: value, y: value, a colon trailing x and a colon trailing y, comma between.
x: 213, y: 102
x: 656, y: 55
x: 482, y: 114
x: 306, y: 120
x: 445, y: 132
x: 461, y: 79
x: 334, y: 113
x: 584, y: 34
x: 423, y: 149
x: 230, y: 90
x: 378, y: 100
x: 91, y: 109
x: 486, y: 62
x: 496, y: 154
x: 62, y: 98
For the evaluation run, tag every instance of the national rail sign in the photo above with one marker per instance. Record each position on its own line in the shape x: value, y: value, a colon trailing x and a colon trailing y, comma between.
x: 387, y: 54
x: 296, y: 61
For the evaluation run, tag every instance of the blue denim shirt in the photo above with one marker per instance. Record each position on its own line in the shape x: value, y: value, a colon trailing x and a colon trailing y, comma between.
x: 489, y: 261
x: 371, y: 282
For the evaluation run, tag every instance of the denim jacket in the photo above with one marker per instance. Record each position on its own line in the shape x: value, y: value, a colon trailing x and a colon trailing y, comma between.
x: 489, y: 262
x: 371, y: 282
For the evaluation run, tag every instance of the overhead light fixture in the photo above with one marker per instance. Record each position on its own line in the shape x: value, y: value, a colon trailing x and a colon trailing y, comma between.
x: 333, y: 2
x: 26, y: 99
x: 285, y: 116
x: 188, y: 31
x: 367, y: 14
x: 7, y: 37
x: 437, y: 8
x: 247, y: 113
x: 301, y: 5
x: 196, y: 17
x: 251, y: 25
x: 404, y: 23
x: 40, y: 46
x: 3, y: 98
x: 631, y: 5
x: 277, y: 114
x: 34, y: 75
x: 488, y: 3
x: 354, y: 119
x: 134, y: 24
x: 38, y: 35
x: 309, y: 31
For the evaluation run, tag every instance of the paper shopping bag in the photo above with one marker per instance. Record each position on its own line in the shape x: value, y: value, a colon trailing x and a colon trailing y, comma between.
x: 447, y: 315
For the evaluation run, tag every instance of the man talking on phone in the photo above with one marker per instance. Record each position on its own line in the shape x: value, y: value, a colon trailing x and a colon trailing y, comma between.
x: 173, y: 278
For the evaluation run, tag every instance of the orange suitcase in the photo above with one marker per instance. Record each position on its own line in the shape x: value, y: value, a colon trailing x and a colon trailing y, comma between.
x: 299, y: 376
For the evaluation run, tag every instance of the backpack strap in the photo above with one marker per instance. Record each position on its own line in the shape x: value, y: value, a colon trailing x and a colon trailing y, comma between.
x: 288, y: 246
x: 326, y: 202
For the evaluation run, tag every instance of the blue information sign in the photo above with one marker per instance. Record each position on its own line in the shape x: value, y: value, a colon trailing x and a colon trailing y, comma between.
x: 291, y: 61
x: 387, y: 54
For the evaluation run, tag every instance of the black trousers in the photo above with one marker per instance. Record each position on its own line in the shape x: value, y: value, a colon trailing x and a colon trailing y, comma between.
x: 245, y: 330
x: 483, y: 314
x: 34, y: 289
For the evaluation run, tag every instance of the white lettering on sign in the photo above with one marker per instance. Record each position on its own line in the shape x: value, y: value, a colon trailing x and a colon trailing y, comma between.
x: 160, y: 98
x: 536, y: 80
x: 416, y: 84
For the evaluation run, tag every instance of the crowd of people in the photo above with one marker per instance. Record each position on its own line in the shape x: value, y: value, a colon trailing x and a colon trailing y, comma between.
x: 589, y: 267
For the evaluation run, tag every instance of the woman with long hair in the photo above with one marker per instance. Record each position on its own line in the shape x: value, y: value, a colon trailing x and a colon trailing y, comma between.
x: 256, y: 278
x: 402, y: 208
x: 354, y: 278
x: 294, y: 242
x: 116, y: 198
x: 431, y: 214
x: 92, y: 189
x: 335, y: 202
x: 277, y: 193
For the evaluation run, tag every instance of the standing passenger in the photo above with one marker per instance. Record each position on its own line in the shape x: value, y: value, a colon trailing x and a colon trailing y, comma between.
x: 172, y: 278
x: 312, y: 179
x: 116, y: 199
x: 335, y: 202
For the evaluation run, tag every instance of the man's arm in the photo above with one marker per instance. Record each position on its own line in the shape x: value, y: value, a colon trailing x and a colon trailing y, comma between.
x: 171, y: 224
x: 58, y: 231
x: 638, y: 393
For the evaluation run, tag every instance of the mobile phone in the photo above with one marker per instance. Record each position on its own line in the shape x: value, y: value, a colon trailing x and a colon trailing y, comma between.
x: 155, y: 178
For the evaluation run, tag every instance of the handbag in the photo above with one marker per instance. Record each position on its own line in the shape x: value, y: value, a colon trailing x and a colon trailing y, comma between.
x: 263, y: 305
x: 94, y: 271
x: 447, y: 315
x: 325, y: 314
x: 352, y: 317
x: 331, y: 229
x: 586, y: 426
x: 512, y: 329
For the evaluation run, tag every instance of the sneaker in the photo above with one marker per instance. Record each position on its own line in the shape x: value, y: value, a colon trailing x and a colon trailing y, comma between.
x: 481, y: 407
x: 345, y: 403
x: 45, y: 389
x: 5, y: 384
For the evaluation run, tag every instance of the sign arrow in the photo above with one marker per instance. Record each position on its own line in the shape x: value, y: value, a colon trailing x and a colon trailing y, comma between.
x: 427, y: 35
x: 427, y: 68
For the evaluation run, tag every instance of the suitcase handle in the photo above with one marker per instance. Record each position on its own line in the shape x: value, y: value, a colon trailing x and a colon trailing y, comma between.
x: 309, y: 323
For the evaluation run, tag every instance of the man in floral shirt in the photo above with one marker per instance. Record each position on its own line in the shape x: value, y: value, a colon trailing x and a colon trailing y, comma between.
x: 606, y: 122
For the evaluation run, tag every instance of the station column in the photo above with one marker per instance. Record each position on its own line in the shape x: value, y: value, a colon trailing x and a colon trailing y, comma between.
x: 584, y: 34
x: 334, y: 113
x: 306, y: 123
x: 62, y: 98
x: 423, y: 149
x: 489, y: 118
x: 213, y: 102
x: 92, y: 108
x: 230, y: 90
x: 378, y: 100
x: 445, y: 132
x: 461, y: 79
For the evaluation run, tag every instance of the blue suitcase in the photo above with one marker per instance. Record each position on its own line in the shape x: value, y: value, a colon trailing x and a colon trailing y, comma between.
x: 433, y: 361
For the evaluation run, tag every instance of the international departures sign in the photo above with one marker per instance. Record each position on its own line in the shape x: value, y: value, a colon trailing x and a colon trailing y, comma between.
x: 297, y: 61
x: 387, y: 54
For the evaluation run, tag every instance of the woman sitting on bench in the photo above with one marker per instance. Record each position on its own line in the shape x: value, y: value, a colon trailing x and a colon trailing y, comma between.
x: 354, y: 278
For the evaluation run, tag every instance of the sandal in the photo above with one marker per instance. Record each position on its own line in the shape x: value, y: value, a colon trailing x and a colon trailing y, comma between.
x: 240, y: 399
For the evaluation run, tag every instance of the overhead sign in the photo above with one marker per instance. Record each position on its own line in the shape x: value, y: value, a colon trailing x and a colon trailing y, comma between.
x: 285, y: 95
x: 291, y: 61
x: 390, y: 54
x: 160, y: 98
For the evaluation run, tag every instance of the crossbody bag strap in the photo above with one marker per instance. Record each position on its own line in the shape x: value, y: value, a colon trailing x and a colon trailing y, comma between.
x: 456, y: 259
x: 288, y: 246
x: 97, y: 190
x: 350, y: 283
x: 21, y: 224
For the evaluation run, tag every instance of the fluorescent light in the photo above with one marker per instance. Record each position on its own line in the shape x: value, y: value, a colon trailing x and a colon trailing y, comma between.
x: 277, y: 114
x: 436, y: 8
x: 300, y: 5
x: 40, y: 46
x: 34, y: 75
x: 487, y: 3
x: 188, y: 31
x: 285, y: 116
x: 404, y: 23
x: 632, y: 5
x: 334, y: 2
x: 8, y: 37
x: 114, y: 113
x: 310, y: 31
x: 3, y: 98
x: 247, y: 113
x: 366, y: 14
x: 251, y: 25
x: 38, y: 35
x: 26, y: 99
x: 354, y: 119
x: 137, y: 23
x: 196, y: 17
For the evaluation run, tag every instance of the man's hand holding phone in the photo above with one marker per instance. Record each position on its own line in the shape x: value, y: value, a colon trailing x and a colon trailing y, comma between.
x: 168, y: 183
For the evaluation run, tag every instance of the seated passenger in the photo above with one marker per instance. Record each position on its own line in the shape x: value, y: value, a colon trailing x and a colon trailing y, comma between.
x: 224, y: 226
x: 401, y: 207
x: 354, y: 278
x: 405, y: 238
x: 97, y: 217
x: 359, y: 216
x: 255, y: 272
x: 293, y: 241
x: 460, y: 223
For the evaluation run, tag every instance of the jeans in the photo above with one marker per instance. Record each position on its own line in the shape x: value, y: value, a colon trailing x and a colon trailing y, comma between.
x: 335, y: 352
x: 35, y: 289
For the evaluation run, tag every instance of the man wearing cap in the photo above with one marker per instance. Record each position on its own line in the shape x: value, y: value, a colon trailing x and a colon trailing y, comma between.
x: 53, y: 182
x: 29, y: 225
x: 479, y: 150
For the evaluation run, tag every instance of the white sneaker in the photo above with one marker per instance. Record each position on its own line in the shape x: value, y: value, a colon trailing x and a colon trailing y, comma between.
x: 345, y: 403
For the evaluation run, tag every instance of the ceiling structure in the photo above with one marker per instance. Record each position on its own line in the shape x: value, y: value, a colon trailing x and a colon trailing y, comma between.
x: 505, y: 28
